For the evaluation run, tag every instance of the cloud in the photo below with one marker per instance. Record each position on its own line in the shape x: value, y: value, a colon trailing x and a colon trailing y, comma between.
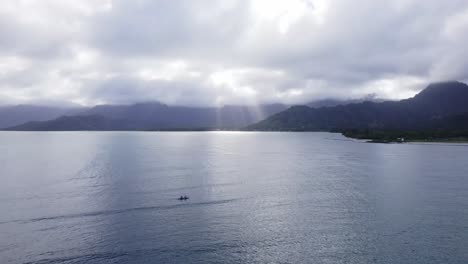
x: 229, y: 51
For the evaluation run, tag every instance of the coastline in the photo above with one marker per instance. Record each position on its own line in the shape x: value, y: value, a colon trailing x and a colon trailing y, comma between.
x: 408, y: 136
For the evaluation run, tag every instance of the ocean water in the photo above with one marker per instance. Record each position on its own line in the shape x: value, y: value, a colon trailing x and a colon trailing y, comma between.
x: 111, y: 197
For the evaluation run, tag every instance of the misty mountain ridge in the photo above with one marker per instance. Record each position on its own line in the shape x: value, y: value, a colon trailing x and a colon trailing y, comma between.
x: 156, y: 116
x: 438, y: 104
x: 148, y: 115
x: 76, y: 123
x: 432, y: 107
x: 330, y: 102
x: 19, y: 114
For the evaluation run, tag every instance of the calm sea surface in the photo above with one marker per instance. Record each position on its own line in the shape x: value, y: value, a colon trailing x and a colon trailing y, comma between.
x: 104, y: 197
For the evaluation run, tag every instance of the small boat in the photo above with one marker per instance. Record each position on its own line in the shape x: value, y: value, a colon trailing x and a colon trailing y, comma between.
x: 183, y: 198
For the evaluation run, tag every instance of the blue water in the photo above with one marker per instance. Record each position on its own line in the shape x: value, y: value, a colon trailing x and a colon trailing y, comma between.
x: 111, y: 197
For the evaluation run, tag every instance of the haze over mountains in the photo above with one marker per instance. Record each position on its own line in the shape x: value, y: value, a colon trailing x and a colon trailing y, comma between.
x: 441, y: 105
x: 142, y: 116
x: 19, y: 114
x: 156, y: 116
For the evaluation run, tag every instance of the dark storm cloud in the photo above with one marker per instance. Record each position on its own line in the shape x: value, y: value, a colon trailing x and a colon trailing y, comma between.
x: 170, y: 28
x: 215, y: 52
x: 123, y: 90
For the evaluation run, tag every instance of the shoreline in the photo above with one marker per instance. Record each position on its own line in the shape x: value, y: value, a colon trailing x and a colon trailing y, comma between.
x: 458, y: 140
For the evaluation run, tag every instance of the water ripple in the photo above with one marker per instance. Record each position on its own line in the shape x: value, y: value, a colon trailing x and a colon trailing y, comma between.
x: 119, y: 211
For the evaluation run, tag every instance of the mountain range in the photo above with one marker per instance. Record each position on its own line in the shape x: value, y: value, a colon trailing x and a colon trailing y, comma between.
x: 441, y: 105
x: 142, y: 116
x: 154, y: 116
x: 19, y: 114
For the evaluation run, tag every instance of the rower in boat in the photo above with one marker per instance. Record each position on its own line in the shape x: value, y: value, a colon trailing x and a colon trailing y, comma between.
x: 183, y: 198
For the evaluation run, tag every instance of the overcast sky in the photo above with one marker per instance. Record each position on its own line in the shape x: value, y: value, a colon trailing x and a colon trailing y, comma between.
x: 206, y: 52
